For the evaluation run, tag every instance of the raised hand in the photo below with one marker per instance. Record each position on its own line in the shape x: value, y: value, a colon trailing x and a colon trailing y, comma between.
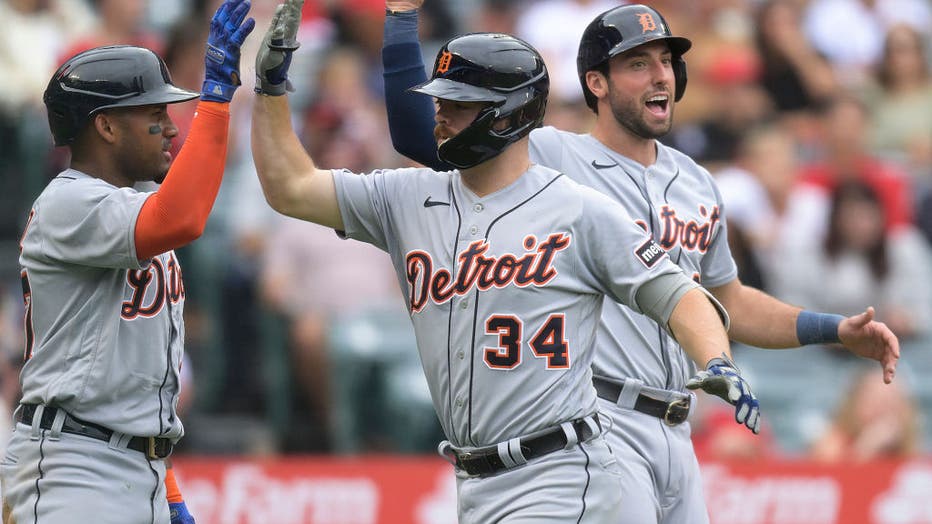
x: 867, y: 338
x: 279, y: 43
x: 228, y: 31
x: 723, y: 379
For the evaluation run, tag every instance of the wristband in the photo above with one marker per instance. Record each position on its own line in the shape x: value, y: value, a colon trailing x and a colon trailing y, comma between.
x: 817, y: 328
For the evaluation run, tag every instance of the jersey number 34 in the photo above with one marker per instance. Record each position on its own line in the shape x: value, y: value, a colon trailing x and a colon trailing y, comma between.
x: 547, y: 343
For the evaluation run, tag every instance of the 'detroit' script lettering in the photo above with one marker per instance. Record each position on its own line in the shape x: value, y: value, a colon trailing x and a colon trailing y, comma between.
x: 534, y: 267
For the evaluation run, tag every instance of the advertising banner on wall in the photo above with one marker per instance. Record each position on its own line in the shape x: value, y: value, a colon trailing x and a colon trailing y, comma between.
x: 422, y: 490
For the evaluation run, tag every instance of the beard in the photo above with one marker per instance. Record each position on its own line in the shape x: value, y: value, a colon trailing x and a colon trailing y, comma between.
x: 630, y: 115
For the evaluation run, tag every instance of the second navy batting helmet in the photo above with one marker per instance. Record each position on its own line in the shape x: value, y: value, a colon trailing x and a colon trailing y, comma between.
x: 495, y: 68
x: 104, y: 78
x: 620, y: 29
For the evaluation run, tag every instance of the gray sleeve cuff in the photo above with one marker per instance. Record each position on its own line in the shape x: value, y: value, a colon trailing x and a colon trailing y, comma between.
x: 658, y: 297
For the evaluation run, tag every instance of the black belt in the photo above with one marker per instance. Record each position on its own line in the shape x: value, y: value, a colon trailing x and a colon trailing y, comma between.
x: 487, y: 460
x: 672, y: 412
x: 152, y: 447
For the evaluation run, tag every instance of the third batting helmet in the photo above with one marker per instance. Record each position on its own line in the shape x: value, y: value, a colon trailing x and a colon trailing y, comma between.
x: 496, y: 68
x: 620, y: 29
x: 104, y: 78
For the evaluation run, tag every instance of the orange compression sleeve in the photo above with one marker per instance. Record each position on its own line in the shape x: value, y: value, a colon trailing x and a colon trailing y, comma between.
x: 177, y: 213
x: 172, y: 493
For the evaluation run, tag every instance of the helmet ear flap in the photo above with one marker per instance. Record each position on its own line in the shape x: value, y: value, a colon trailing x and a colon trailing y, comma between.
x: 679, y: 72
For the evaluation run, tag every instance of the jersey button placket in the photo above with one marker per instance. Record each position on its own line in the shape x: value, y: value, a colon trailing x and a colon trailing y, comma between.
x: 473, y: 230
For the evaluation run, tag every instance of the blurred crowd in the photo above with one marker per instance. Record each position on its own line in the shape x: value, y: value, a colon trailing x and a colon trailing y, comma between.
x: 815, y: 117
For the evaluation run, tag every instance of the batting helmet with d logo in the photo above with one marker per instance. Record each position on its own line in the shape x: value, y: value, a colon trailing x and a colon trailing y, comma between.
x: 496, y: 68
x: 620, y: 29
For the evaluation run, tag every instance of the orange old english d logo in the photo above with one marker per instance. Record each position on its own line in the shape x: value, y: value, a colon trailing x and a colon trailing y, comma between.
x: 443, y: 65
x: 647, y: 22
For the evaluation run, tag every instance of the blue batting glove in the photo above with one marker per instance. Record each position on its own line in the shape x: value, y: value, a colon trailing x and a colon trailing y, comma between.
x: 228, y: 31
x: 179, y: 513
x: 279, y: 43
x: 723, y: 379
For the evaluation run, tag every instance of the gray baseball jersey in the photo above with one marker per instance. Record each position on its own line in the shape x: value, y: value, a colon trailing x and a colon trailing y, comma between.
x: 504, y: 291
x: 678, y: 202
x: 104, y: 331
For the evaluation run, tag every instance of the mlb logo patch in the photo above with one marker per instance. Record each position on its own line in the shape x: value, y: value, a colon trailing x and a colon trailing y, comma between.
x: 649, y: 253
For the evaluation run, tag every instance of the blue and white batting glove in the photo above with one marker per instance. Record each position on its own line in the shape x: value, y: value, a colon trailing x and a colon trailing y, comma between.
x: 228, y: 31
x: 179, y: 513
x: 279, y: 43
x: 723, y: 379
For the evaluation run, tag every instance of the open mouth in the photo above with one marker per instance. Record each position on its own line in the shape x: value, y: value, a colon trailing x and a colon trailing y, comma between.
x: 659, y: 104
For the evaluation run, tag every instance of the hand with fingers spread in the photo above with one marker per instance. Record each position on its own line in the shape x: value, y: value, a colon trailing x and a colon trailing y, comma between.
x: 723, y: 379
x: 279, y: 43
x: 865, y: 337
x: 228, y: 31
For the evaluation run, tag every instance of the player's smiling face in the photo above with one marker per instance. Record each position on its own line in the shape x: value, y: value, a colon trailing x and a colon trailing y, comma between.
x: 143, y: 154
x: 453, y: 117
x: 640, y: 89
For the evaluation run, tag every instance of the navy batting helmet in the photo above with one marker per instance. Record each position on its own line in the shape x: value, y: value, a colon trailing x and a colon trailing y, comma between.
x: 104, y: 78
x: 620, y: 29
x: 495, y: 68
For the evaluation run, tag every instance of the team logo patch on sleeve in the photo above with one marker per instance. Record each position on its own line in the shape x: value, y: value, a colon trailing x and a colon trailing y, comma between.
x: 649, y: 253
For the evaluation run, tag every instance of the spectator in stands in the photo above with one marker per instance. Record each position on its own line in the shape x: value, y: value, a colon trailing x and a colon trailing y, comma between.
x: 118, y: 22
x: 736, y: 104
x: 756, y: 189
x: 844, y: 155
x: 873, y: 421
x: 901, y: 103
x: 795, y: 76
x: 35, y: 33
x: 862, y: 262
x: 554, y: 28
x: 856, y: 50
x: 312, y: 277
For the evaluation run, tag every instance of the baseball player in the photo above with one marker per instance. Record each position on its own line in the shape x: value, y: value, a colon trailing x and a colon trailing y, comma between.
x: 103, y: 289
x: 632, y: 70
x: 504, y: 266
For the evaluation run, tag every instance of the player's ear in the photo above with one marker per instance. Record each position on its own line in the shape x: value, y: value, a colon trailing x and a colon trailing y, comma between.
x: 597, y: 83
x: 106, y: 126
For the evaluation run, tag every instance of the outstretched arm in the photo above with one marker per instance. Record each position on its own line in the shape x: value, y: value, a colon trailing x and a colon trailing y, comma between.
x: 760, y: 320
x: 410, y: 116
x: 292, y: 184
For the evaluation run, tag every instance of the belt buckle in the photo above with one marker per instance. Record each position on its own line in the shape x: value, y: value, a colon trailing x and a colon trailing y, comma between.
x: 153, y: 452
x: 669, y: 416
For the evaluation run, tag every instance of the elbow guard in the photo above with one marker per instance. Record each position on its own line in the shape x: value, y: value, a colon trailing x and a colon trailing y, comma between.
x: 657, y: 298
